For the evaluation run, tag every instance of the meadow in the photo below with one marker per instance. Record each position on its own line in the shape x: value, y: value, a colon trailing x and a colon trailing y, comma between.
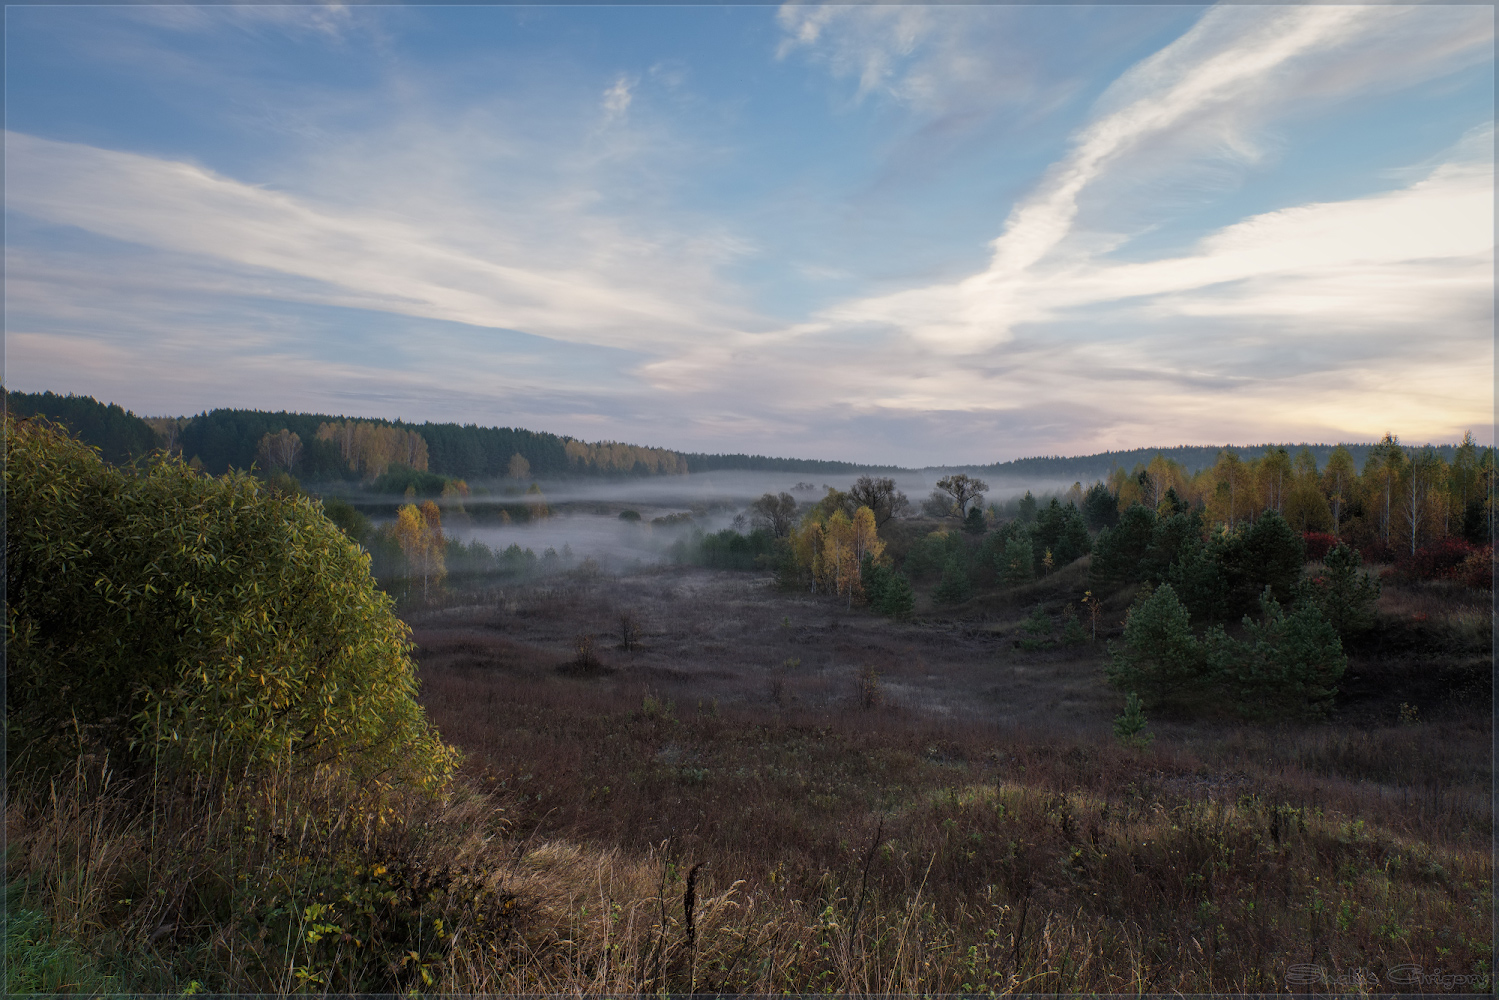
x: 679, y: 779
x: 929, y: 806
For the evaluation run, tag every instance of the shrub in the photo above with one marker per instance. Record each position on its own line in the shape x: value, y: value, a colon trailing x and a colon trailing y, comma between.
x: 1037, y: 627
x: 928, y: 556
x: 1477, y: 571
x: 629, y: 632
x: 873, y: 578
x: 585, y: 652
x: 1129, y: 727
x: 1269, y: 553
x: 350, y: 520
x: 1159, y: 656
x: 1073, y: 633
x: 1435, y: 561
x: 200, y: 621
x: 402, y: 479
x: 1318, y: 544
x: 1343, y: 593
x: 1476, y: 525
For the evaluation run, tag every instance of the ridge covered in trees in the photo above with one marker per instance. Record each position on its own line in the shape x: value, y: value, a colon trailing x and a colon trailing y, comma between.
x: 119, y: 434
x: 320, y: 446
x: 1192, y: 458
x: 700, y: 462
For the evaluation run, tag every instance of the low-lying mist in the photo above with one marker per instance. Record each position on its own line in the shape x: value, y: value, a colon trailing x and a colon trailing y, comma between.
x: 584, y: 515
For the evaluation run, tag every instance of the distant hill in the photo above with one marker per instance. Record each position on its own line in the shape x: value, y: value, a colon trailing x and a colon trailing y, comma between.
x: 119, y: 434
x: 1086, y: 468
x: 698, y: 462
x: 222, y: 439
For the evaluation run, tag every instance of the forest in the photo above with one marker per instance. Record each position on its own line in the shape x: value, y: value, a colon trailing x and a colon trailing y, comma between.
x: 1187, y: 726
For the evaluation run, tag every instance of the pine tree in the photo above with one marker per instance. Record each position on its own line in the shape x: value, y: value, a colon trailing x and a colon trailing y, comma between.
x: 1019, y: 565
x: 1344, y: 594
x: 953, y: 587
x: 898, y: 600
x: 1130, y: 726
x: 1289, y: 663
x: 1159, y: 656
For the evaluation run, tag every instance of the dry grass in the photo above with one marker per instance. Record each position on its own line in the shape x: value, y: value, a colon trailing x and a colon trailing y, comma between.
x: 890, y: 823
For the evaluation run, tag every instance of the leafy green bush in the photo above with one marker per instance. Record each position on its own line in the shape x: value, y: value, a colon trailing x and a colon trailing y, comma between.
x: 202, y: 622
x: 1288, y: 663
x: 347, y: 517
x: 1100, y: 507
x: 898, y: 600
x: 398, y: 479
x: 928, y: 556
x: 889, y: 593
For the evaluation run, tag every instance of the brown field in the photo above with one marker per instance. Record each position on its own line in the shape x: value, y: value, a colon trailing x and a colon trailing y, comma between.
x: 927, y: 807
x: 775, y: 793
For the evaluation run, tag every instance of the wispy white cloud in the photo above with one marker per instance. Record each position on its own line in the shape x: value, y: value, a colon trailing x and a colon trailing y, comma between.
x: 368, y: 259
x: 617, y: 98
x: 458, y: 222
x: 1339, y: 295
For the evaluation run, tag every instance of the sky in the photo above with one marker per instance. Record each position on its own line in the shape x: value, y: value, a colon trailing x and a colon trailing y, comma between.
x: 914, y: 235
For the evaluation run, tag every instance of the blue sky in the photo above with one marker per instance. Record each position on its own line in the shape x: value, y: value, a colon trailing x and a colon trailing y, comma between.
x: 909, y: 234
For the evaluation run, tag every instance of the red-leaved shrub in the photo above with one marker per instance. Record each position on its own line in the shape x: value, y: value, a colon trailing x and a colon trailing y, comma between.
x: 1476, y: 571
x: 1435, y: 561
x: 1318, y: 544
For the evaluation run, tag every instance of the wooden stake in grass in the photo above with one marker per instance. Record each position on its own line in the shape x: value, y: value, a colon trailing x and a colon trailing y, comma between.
x: 853, y: 927
x: 689, y: 902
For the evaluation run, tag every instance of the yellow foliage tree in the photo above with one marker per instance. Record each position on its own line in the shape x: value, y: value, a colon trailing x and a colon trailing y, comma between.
x: 538, y: 506
x: 371, y: 448
x: 807, y: 547
x: 611, y: 456
x: 1231, y: 495
x: 839, y: 561
x: 419, y: 532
